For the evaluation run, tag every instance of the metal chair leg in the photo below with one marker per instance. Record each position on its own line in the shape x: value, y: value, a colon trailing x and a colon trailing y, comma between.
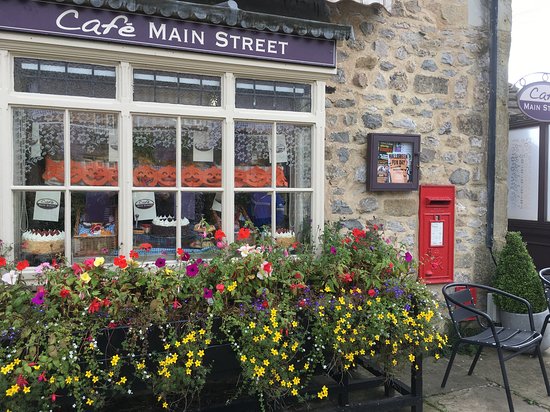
x: 505, y: 379
x: 448, y: 370
x: 543, y: 369
x: 476, y: 358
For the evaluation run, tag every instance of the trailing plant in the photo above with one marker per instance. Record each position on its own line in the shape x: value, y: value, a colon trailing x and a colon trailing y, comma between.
x: 84, y: 333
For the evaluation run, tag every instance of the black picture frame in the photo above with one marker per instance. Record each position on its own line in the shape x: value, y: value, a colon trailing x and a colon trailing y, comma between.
x: 393, y: 162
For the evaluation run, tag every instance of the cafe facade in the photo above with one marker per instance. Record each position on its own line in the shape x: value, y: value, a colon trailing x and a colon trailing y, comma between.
x: 126, y: 122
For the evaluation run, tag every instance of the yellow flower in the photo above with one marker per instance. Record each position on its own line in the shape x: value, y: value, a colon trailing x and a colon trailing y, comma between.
x: 85, y: 277
x: 200, y: 353
x: 165, y: 405
x: 291, y: 368
x: 140, y: 365
x: 114, y: 360
x: 68, y: 380
x: 95, y: 379
x: 243, y: 358
x: 52, y: 379
x: 411, y: 357
x: 294, y: 392
x: 26, y: 389
x: 90, y: 401
x: 323, y: 393
x: 99, y: 261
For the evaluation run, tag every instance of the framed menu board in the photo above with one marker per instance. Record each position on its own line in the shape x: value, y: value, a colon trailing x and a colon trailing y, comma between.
x: 392, y: 162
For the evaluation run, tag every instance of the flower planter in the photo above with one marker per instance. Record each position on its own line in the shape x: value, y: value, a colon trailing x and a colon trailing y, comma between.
x: 521, y: 321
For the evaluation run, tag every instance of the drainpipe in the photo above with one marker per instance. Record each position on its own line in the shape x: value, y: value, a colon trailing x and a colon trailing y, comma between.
x: 492, y: 132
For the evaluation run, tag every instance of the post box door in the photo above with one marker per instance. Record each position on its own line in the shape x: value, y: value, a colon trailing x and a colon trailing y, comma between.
x: 436, y: 233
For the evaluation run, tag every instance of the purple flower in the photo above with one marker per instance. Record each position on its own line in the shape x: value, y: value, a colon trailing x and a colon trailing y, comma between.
x: 333, y: 250
x: 160, y: 262
x: 207, y: 293
x: 185, y: 257
x: 408, y: 257
x: 38, y: 298
x: 104, y: 250
x: 192, y: 270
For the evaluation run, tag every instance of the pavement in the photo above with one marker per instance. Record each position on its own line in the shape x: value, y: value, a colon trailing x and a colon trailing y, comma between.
x: 484, y: 390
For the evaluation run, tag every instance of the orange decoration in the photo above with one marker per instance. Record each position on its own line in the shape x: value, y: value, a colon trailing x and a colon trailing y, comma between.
x: 102, y: 174
x: 145, y: 175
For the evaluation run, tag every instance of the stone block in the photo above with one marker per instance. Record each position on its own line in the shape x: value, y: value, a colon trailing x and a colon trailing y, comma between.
x: 400, y: 207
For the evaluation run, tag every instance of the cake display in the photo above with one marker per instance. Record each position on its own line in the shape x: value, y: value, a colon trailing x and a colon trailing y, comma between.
x: 42, y: 242
x: 285, y: 238
x: 166, y: 225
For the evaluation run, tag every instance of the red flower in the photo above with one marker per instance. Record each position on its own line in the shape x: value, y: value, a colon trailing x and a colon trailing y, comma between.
x: 112, y: 325
x: 21, y: 381
x: 220, y: 287
x: 64, y: 293
x: 244, y: 233
x: 54, y: 397
x: 42, y: 377
x: 391, y: 265
x: 372, y: 293
x: 176, y: 304
x: 134, y: 254
x: 219, y: 235
x: 120, y: 261
x: 106, y: 302
x: 77, y: 269
x: 146, y: 246
x: 22, y: 265
x: 297, y: 275
x: 2, y: 261
x: 358, y: 234
x: 94, y: 306
x: 265, y: 304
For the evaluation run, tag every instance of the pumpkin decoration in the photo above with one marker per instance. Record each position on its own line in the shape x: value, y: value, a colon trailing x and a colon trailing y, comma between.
x: 54, y: 171
x: 167, y: 176
x: 95, y: 173
x: 145, y: 175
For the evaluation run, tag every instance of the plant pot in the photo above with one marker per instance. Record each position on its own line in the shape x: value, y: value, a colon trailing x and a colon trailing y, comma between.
x: 521, y: 321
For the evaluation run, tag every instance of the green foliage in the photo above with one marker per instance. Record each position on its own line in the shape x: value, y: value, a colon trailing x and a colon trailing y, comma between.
x: 516, y: 274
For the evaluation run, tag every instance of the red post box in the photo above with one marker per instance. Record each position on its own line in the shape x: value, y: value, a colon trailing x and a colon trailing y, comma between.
x: 436, y: 236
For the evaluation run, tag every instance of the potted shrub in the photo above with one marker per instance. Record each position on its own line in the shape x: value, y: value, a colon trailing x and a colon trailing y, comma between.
x: 516, y: 274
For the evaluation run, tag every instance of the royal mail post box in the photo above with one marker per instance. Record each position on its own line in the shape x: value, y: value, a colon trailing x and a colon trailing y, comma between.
x: 436, y: 233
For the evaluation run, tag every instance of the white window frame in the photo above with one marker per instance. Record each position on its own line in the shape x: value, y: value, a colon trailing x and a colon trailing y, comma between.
x: 125, y: 58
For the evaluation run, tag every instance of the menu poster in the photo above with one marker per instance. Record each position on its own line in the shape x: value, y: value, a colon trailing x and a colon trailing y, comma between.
x: 399, y: 164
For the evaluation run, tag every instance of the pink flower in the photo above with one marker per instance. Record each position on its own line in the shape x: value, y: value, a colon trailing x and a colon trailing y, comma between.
x: 176, y: 304
x: 160, y: 262
x: 220, y: 287
x: 332, y: 250
x: 208, y: 293
x: 408, y: 257
x: 192, y: 270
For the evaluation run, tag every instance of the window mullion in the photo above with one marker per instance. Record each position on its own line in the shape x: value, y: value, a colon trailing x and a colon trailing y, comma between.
x: 318, y: 161
x: 228, y: 156
x: 125, y: 209
x: 67, y: 180
x: 6, y: 178
x: 178, y: 183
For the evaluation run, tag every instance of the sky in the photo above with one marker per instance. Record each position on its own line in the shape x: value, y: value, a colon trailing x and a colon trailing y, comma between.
x: 530, y: 52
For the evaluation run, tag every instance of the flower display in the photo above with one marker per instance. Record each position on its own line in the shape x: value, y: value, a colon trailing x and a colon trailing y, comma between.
x: 354, y: 298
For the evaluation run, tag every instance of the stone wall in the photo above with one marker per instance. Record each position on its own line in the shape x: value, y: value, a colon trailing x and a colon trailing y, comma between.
x: 422, y: 69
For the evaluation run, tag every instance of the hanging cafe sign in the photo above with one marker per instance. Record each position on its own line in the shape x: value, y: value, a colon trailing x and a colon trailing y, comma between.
x: 534, y: 100
x: 32, y: 16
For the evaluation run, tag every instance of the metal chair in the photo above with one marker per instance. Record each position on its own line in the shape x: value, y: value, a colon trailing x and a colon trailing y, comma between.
x: 544, y: 275
x: 462, y: 307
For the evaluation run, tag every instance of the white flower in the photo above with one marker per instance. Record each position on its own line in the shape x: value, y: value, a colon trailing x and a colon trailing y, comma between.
x: 245, y: 250
x: 10, y: 277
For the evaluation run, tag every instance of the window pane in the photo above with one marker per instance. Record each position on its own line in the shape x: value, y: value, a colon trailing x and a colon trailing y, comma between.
x: 94, y: 219
x: 155, y: 223
x: 253, y: 154
x: 293, y: 154
x: 201, y: 153
x: 154, y: 151
x: 57, y: 77
x: 523, y: 176
x: 38, y: 147
x: 39, y: 226
x: 296, y: 222
x: 177, y: 88
x: 268, y: 95
x: 94, y: 149
x: 204, y: 212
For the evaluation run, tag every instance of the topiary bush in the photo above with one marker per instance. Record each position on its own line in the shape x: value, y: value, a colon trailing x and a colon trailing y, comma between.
x: 516, y: 274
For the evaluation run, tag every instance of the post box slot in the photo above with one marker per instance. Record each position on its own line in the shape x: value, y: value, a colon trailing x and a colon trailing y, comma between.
x: 438, y: 201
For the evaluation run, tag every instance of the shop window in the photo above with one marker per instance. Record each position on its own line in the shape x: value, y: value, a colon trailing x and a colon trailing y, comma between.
x: 58, y: 77
x: 267, y: 95
x: 104, y: 179
x: 176, y: 88
x: 523, y: 176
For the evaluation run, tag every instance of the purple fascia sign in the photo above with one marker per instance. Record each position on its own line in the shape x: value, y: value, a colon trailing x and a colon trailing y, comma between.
x: 32, y: 16
x: 534, y: 101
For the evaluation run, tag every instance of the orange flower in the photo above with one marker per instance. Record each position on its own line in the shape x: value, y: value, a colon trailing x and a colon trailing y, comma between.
x: 145, y: 246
